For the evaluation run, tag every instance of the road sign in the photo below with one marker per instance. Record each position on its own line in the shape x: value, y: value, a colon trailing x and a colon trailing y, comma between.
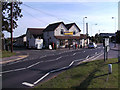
x: 106, y: 41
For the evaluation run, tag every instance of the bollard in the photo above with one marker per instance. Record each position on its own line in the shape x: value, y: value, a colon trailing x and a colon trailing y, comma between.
x: 110, y: 68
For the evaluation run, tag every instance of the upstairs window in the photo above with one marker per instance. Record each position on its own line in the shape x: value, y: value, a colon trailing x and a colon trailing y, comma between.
x: 74, y: 33
x: 62, y: 32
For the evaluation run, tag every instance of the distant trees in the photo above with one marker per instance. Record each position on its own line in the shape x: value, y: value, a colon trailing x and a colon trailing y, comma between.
x: 97, y: 38
x: 118, y: 37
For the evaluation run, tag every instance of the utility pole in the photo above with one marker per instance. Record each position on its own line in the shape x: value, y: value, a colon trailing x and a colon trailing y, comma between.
x: 11, y: 26
x: 84, y: 25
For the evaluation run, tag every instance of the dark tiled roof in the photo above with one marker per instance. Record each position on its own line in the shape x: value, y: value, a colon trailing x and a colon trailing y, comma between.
x: 21, y: 36
x: 52, y: 27
x: 36, y: 31
x: 68, y: 26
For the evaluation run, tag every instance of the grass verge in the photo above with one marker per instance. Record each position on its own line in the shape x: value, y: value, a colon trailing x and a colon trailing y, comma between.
x: 87, y: 75
x: 6, y: 54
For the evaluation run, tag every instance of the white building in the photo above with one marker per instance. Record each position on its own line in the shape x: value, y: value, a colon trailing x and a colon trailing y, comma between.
x: 32, y: 35
x: 62, y: 35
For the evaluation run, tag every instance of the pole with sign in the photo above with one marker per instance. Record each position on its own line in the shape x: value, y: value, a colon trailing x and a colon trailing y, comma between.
x: 106, y: 48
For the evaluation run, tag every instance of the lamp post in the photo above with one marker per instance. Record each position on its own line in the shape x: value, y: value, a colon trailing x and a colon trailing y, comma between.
x: 84, y: 25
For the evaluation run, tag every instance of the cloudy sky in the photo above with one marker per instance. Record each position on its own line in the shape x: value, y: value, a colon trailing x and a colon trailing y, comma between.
x: 39, y: 14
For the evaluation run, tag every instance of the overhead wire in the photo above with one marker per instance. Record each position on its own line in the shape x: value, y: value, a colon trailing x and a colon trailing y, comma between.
x: 34, y: 17
x: 58, y: 18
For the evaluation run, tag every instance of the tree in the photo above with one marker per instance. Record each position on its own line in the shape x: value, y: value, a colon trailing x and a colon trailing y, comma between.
x: 11, y: 11
x: 118, y: 37
x: 6, y: 15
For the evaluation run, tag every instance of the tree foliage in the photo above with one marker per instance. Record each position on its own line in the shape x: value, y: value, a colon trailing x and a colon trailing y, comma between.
x: 118, y: 36
x: 6, y: 15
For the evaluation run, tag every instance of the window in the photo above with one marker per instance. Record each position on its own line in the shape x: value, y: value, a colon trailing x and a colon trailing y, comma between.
x: 74, y: 33
x: 62, y: 31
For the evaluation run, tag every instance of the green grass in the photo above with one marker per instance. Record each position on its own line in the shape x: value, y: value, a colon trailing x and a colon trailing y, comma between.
x: 4, y: 54
x: 87, y: 75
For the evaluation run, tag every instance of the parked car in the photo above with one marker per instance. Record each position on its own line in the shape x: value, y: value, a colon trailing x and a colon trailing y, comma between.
x: 92, y: 45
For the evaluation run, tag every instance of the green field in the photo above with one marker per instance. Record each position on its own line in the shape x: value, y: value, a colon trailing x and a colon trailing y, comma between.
x: 87, y: 75
x: 4, y: 54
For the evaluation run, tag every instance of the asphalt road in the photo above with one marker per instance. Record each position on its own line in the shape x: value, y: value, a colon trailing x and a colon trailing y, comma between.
x: 42, y: 64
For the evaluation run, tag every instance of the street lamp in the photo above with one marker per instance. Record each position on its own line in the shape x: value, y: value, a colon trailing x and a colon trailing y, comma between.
x: 84, y: 25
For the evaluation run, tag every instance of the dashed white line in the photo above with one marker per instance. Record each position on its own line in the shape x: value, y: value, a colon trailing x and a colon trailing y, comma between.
x: 59, y: 57
x: 33, y: 65
x: 87, y: 57
x: 74, y: 54
x: 13, y: 70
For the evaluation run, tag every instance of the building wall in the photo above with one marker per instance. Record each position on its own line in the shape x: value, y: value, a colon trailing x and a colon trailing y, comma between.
x: 74, y: 28
x: 57, y: 31
x: 49, y: 38
x: 30, y: 40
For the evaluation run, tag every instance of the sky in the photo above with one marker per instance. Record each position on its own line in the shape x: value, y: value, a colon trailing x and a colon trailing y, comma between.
x: 39, y: 14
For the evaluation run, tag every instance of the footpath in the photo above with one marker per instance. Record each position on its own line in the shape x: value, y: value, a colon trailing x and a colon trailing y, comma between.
x: 16, y: 57
x: 113, y: 52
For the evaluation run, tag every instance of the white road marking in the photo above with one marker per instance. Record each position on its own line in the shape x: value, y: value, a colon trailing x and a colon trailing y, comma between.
x: 59, y: 57
x: 71, y: 63
x: 87, y: 57
x: 98, y: 56
x: 13, y: 70
x: 28, y: 84
x: 43, y: 56
x: 31, y: 85
x: 83, y: 51
x: 0, y: 75
x: 74, y: 54
x: 33, y: 65
x: 41, y: 78
x: 95, y: 52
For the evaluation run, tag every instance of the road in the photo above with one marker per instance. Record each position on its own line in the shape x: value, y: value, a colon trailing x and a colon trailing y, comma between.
x: 41, y: 64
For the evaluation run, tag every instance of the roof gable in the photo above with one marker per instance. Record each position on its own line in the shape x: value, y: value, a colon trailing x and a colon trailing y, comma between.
x: 52, y: 27
x: 68, y: 26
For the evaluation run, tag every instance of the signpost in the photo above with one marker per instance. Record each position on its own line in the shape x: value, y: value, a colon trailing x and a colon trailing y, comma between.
x: 106, y: 48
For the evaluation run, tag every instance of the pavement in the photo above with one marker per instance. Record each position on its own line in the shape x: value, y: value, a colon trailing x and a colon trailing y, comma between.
x: 113, y: 52
x: 18, y: 56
